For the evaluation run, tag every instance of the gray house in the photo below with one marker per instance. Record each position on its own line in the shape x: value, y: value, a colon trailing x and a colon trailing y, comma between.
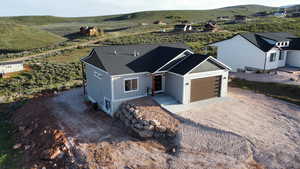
x: 115, y: 74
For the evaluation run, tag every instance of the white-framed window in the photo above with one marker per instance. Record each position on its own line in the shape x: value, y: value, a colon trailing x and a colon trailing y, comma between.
x: 98, y: 75
x: 272, y: 57
x: 131, y: 85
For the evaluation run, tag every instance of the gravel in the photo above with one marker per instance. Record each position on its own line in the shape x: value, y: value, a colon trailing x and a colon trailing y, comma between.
x: 271, y: 126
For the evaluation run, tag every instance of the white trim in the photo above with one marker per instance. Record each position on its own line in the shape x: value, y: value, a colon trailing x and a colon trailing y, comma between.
x: 112, y: 89
x: 214, y: 60
x: 206, y: 74
x: 129, y: 74
x: 173, y: 59
x: 175, y: 74
x: 130, y: 98
x: 95, y: 67
x: 131, y: 78
x: 221, y: 63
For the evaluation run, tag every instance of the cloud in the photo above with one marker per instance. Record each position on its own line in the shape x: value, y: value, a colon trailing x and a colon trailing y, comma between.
x: 107, y: 7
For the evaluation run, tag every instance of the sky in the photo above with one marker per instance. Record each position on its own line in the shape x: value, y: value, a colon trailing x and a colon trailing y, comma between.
x: 73, y: 8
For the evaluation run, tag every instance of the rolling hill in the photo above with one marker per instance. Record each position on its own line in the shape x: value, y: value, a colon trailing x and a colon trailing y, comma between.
x: 15, y: 37
x: 146, y: 16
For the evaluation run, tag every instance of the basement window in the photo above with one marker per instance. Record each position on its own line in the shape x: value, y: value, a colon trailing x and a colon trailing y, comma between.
x: 272, y: 57
x: 131, y: 85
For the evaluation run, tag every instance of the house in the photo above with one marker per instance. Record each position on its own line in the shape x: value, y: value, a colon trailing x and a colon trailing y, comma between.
x: 296, y: 14
x: 89, y: 31
x: 211, y: 27
x: 223, y: 18
x: 261, y: 51
x: 114, y: 74
x: 159, y: 23
x: 281, y: 14
x: 183, y: 27
x: 10, y: 67
x: 240, y: 18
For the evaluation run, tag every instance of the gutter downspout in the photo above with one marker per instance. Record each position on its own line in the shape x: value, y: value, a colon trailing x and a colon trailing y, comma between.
x: 265, y: 61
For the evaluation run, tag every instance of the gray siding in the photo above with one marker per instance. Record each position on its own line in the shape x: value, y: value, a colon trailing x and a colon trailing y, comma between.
x: 97, y: 89
x: 206, y: 67
x: 174, y: 86
x: 144, y: 82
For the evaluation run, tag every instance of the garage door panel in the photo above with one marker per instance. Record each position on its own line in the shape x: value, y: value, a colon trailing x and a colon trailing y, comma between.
x: 205, y: 88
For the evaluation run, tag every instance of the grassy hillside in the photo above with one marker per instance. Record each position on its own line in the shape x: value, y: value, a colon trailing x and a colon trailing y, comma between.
x: 148, y: 16
x: 15, y: 37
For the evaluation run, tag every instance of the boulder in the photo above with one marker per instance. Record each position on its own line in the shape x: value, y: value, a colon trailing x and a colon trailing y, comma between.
x: 161, y: 129
x: 154, y: 122
x: 17, y: 146
x: 145, y: 133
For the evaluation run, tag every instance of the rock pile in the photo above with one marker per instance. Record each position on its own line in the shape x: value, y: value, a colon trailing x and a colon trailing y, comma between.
x: 134, y: 119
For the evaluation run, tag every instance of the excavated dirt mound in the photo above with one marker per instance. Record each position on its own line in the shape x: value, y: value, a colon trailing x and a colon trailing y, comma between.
x: 40, y: 138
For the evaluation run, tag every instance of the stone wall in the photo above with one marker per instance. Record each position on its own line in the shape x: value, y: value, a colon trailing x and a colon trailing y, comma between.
x: 134, y: 119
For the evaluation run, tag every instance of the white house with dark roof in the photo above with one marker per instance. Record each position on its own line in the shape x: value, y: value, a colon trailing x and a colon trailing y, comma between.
x: 259, y: 51
x: 115, y: 74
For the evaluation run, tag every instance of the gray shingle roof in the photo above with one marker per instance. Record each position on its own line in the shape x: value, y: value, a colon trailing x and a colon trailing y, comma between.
x: 128, y: 59
x: 188, y: 64
x: 258, y: 39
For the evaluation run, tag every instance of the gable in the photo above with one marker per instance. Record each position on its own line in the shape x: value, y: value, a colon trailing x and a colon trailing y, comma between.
x: 206, y: 66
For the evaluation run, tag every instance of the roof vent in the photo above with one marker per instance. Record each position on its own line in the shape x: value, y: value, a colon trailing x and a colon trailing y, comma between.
x: 115, y: 52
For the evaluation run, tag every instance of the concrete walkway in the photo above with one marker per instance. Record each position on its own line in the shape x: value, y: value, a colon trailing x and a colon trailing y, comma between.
x: 172, y: 105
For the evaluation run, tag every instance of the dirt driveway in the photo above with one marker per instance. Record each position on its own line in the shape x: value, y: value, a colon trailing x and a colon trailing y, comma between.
x: 271, y: 126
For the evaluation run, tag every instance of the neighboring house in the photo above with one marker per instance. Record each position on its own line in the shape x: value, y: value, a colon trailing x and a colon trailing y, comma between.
x: 240, y: 18
x: 261, y: 14
x: 115, y: 74
x: 183, y: 27
x: 223, y: 18
x: 261, y: 51
x: 281, y: 14
x: 296, y: 14
x: 159, y: 23
x: 10, y: 67
x: 211, y: 27
x: 89, y: 31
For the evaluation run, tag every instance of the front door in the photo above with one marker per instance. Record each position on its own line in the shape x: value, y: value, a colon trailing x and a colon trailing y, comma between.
x: 158, y: 83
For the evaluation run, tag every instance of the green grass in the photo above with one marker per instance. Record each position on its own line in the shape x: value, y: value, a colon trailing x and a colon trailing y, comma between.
x: 68, y: 57
x: 15, y: 37
x: 289, y: 93
x: 9, y: 158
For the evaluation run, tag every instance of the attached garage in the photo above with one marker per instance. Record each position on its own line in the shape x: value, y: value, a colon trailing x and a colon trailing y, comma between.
x: 202, y: 77
x: 205, y: 88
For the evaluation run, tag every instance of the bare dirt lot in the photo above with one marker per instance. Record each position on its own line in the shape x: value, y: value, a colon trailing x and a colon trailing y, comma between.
x: 270, y: 125
x: 246, y: 130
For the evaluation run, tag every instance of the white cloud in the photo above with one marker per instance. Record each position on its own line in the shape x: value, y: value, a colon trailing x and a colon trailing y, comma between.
x: 105, y: 7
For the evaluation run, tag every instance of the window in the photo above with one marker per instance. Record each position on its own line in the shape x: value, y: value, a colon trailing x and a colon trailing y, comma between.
x: 107, y: 104
x: 131, y: 85
x: 272, y: 57
x: 98, y: 75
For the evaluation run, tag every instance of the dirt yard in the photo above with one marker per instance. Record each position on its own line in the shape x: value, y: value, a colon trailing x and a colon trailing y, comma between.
x: 274, y: 77
x: 247, y: 131
x: 271, y: 126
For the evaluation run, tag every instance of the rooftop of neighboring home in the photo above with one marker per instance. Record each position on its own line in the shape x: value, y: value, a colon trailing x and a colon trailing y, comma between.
x: 10, y: 62
x: 268, y: 40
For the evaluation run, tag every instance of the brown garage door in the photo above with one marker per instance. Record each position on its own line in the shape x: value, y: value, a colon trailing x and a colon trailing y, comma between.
x: 205, y: 88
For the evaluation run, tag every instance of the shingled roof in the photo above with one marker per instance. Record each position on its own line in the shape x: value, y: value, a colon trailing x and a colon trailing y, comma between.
x: 126, y: 59
x: 258, y: 39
